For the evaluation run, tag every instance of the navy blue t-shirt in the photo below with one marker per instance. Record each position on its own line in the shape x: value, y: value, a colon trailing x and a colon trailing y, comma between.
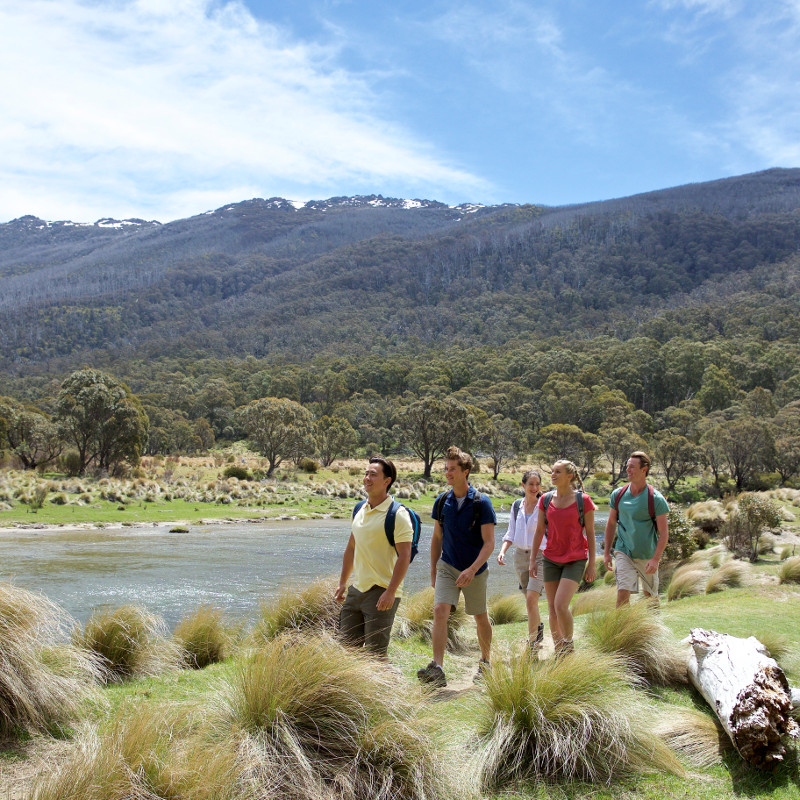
x: 461, y: 542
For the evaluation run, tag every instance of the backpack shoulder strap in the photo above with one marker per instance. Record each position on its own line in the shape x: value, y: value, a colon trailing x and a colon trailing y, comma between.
x: 579, y: 504
x: 615, y: 504
x: 546, y: 498
x: 357, y: 507
x: 389, y: 520
x: 437, y: 505
x: 477, y: 510
x: 515, y: 507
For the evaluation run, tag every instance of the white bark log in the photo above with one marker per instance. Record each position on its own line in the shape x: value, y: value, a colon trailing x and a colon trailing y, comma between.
x: 748, y: 691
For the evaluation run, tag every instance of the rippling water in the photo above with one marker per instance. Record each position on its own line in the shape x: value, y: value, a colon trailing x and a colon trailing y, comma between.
x: 233, y: 566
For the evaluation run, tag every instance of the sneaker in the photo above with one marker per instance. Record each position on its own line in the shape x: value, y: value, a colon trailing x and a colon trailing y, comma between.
x: 432, y: 674
x: 536, y: 643
x: 483, y: 669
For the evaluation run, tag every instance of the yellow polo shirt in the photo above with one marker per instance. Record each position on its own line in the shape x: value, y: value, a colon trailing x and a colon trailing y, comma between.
x: 375, y: 557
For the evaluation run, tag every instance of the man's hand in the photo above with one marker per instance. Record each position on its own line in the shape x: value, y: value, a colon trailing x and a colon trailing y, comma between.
x: 385, y: 601
x: 607, y: 561
x: 340, y: 592
x: 465, y: 578
x: 651, y: 567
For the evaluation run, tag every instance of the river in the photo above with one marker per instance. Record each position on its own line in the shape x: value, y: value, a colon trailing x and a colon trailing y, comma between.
x: 232, y: 566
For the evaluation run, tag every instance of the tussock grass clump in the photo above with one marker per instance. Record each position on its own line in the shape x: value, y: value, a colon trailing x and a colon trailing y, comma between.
x: 415, y: 618
x: 575, y: 718
x: 730, y: 574
x: 697, y: 737
x: 610, y: 578
x: 203, y: 637
x: 707, y: 515
x: 790, y: 570
x: 308, y: 608
x: 43, y: 680
x: 319, y: 721
x: 129, y: 642
x: 596, y: 600
x: 687, y: 580
x: 636, y: 634
x: 787, y: 551
x: 144, y: 754
x: 504, y: 609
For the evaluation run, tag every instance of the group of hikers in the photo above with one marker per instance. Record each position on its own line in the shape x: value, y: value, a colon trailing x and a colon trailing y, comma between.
x: 554, y: 550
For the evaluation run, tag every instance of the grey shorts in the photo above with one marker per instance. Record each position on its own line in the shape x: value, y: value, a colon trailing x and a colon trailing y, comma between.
x: 629, y: 571
x: 362, y: 625
x: 572, y: 570
x: 446, y: 590
x: 522, y: 564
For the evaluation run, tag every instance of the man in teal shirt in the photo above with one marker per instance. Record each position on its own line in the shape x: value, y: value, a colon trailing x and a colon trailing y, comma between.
x: 638, y: 516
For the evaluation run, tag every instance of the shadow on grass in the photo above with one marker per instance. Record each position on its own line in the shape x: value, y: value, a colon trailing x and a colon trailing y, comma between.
x: 751, y: 782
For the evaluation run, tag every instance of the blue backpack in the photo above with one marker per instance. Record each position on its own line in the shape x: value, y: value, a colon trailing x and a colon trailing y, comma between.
x: 388, y: 524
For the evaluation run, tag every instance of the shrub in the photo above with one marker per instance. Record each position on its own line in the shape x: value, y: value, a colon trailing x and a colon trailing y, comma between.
x: 36, y: 500
x: 129, y: 642
x: 731, y: 573
x: 790, y: 570
x: 574, y: 718
x: 203, y: 637
x: 306, y: 608
x: 635, y: 633
x: 686, y: 581
x: 319, y: 721
x: 415, y: 618
x: 682, y: 537
x: 71, y: 463
x: 753, y: 516
x: 43, y: 682
x: 506, y: 609
x: 310, y: 465
x: 238, y: 472
x: 787, y: 551
x: 59, y: 499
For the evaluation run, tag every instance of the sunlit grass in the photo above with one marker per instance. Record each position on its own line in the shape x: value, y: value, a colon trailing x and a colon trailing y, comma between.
x: 204, y: 637
x: 307, y: 608
x: 505, y: 609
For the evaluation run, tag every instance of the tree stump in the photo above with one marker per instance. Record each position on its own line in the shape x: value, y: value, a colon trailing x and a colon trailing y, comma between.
x: 748, y: 691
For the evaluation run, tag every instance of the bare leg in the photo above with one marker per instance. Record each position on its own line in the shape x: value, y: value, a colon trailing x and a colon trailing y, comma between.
x: 550, y: 588
x: 484, y: 629
x: 441, y: 613
x: 623, y: 597
x: 532, y: 604
x: 565, y: 591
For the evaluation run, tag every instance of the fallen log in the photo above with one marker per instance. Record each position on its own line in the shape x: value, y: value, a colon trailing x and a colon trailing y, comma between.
x: 748, y: 691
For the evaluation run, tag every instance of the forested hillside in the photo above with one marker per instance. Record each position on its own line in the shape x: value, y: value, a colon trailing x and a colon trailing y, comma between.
x: 668, y: 320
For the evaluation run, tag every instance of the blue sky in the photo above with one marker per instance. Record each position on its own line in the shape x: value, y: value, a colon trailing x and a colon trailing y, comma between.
x: 167, y: 108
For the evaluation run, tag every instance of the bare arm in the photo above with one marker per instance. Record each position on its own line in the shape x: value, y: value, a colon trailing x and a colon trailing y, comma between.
x: 386, y: 600
x: 436, y: 549
x: 487, y: 534
x: 347, y: 568
x: 537, y: 543
x: 663, y: 537
x: 611, y: 529
x: 501, y: 556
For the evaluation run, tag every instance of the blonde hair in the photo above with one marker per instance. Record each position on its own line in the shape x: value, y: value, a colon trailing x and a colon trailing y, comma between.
x: 575, y: 477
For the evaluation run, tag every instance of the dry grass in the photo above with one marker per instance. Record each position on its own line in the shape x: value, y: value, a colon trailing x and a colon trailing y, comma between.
x: 575, y: 718
x: 636, y: 634
x: 687, y: 580
x: 697, y: 737
x: 415, y: 618
x: 43, y: 681
x: 203, y: 637
x: 307, y: 608
x: 317, y: 722
x: 708, y: 515
x: 596, y: 600
x: 730, y: 574
x: 790, y: 570
x: 129, y: 642
x: 787, y: 551
x: 504, y: 609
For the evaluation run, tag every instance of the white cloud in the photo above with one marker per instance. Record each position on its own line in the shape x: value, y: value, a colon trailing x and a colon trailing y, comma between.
x: 144, y: 107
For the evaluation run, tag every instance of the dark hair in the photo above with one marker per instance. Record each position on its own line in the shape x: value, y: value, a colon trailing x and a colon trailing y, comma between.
x: 389, y: 469
x: 531, y: 473
x: 456, y: 454
x: 644, y: 460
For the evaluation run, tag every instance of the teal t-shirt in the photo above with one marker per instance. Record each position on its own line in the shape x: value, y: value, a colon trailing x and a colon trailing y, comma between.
x: 636, y: 536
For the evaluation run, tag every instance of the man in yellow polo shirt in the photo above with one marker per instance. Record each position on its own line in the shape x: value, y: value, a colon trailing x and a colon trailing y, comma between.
x: 377, y: 568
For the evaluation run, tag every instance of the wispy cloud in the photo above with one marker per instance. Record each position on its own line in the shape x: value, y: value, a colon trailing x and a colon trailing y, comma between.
x: 109, y: 105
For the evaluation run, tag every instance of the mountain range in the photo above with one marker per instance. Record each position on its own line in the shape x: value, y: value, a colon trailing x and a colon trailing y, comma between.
x: 276, y: 279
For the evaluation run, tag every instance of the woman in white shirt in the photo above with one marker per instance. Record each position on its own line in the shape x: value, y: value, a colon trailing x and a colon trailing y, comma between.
x: 521, y: 528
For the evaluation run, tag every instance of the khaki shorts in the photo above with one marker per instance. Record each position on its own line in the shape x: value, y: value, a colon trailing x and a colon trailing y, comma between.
x: 571, y: 570
x: 522, y: 565
x: 629, y: 571
x: 446, y: 590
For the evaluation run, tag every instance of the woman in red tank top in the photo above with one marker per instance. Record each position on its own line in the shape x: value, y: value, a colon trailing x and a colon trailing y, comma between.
x: 570, y: 550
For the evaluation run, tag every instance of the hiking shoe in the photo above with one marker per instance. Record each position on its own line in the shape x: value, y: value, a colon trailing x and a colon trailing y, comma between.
x: 483, y: 669
x: 432, y: 674
x: 564, y: 648
x: 536, y: 644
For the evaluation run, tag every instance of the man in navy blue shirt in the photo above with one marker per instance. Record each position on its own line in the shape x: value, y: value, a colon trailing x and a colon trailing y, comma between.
x: 462, y: 541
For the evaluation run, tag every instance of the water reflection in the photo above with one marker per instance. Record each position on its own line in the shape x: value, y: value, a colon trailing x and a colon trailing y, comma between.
x: 233, y: 566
